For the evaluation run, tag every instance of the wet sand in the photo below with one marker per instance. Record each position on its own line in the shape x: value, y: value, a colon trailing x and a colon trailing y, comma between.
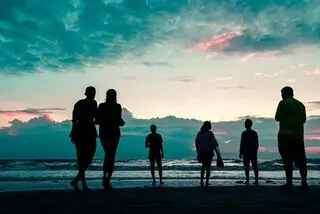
x: 165, y: 200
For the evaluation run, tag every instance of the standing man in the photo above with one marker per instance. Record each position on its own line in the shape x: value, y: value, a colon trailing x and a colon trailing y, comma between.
x: 291, y: 115
x: 84, y: 134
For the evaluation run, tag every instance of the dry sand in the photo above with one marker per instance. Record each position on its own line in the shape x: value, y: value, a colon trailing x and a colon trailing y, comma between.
x: 166, y: 200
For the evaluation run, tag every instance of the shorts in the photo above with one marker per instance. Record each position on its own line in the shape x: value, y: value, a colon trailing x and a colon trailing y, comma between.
x: 85, y: 150
x: 291, y: 149
x: 154, y: 156
x: 206, y: 158
x: 250, y: 157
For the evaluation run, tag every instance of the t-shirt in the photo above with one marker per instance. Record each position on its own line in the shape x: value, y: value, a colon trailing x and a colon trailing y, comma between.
x: 154, y: 140
x: 206, y: 142
x: 85, y: 111
x: 109, y: 118
x: 249, y: 142
x: 291, y: 114
x: 109, y: 114
x: 83, y: 118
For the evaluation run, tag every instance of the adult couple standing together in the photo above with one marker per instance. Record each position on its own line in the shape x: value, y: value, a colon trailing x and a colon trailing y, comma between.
x: 86, y: 114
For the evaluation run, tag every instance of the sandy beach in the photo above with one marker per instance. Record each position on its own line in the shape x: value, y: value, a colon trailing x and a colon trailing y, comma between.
x: 236, y: 199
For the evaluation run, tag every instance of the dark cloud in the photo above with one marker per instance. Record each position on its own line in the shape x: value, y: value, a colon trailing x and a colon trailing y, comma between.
x: 234, y: 87
x: 30, y: 111
x: 183, y: 79
x: 152, y: 64
x: 37, y: 36
x: 313, y: 105
x: 41, y: 137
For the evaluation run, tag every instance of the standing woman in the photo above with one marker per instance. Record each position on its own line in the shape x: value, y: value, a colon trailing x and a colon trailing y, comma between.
x: 110, y: 119
x: 206, y: 144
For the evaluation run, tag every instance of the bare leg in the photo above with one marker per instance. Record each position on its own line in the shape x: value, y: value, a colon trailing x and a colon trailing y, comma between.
x: 208, y: 172
x: 202, y: 174
x: 159, y: 164
x: 110, y: 162
x: 152, y: 164
x: 85, y: 168
x: 303, y: 173
x: 256, y: 173
x: 247, y: 171
x: 104, y: 176
x: 288, y: 167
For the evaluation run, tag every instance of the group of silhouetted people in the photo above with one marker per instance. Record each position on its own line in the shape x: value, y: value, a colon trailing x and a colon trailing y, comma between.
x: 291, y: 115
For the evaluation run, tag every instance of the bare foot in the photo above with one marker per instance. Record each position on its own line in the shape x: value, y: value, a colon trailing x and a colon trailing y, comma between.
x: 75, y: 186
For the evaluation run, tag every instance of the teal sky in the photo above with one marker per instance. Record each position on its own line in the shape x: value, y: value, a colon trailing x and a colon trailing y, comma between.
x: 219, y: 60
x: 192, y: 88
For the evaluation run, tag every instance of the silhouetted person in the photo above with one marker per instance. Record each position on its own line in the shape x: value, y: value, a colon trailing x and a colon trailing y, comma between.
x: 110, y: 119
x: 291, y: 115
x: 206, y: 144
x: 84, y: 134
x: 154, y: 143
x: 249, y: 146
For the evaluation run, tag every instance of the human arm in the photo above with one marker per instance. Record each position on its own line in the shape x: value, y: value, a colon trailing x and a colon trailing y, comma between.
x: 216, y: 146
x: 197, y: 143
x: 75, y: 114
x: 161, y: 147
x: 74, y: 120
x: 146, y: 142
x: 121, y: 122
x: 257, y: 141
x: 97, y: 120
x: 241, y: 146
x: 304, y: 116
x: 279, y: 112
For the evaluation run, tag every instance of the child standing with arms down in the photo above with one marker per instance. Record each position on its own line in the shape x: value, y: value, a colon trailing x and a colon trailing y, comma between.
x: 154, y: 143
x: 249, y: 146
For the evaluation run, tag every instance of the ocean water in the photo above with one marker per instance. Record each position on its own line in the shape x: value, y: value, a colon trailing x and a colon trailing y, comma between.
x: 56, y: 174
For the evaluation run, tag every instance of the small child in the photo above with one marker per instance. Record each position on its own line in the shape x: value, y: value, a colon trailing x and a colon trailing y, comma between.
x: 154, y: 143
x: 249, y: 146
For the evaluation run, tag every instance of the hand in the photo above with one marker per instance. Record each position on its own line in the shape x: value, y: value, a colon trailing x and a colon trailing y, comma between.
x: 240, y: 156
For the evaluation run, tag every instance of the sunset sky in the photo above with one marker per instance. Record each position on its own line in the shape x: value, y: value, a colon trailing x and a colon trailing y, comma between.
x: 208, y: 60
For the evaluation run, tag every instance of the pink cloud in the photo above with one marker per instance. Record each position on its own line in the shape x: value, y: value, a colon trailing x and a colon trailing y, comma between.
x: 29, y: 112
x: 312, y: 137
x: 312, y: 149
x: 219, y: 132
x: 262, y: 149
x: 220, y: 40
x: 315, y: 131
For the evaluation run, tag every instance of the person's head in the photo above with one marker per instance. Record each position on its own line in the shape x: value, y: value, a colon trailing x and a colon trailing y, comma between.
x: 90, y: 92
x: 248, y: 124
x: 111, y: 96
x: 286, y: 92
x: 206, y: 126
x: 153, y: 128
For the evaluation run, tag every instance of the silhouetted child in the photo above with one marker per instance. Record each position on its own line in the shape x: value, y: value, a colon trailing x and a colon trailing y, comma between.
x: 154, y: 143
x: 206, y: 144
x: 249, y: 150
